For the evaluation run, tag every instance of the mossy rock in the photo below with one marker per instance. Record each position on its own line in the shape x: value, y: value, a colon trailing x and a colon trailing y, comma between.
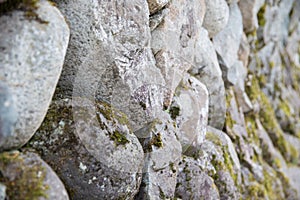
x: 27, y: 181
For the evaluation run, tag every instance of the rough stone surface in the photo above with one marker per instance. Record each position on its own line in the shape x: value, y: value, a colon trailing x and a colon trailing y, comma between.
x: 216, y: 16
x: 27, y: 176
x: 8, y: 113
x: 2, y: 191
x: 112, y: 63
x: 193, y: 183
x: 31, y: 59
x: 87, y: 153
x: 226, y: 42
x: 249, y: 11
x: 162, y: 155
x: 174, y: 40
x: 158, y: 99
x: 189, y: 109
x: 208, y: 71
x: 156, y: 5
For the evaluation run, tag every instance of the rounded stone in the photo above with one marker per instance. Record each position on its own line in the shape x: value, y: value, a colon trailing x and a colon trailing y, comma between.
x: 216, y: 16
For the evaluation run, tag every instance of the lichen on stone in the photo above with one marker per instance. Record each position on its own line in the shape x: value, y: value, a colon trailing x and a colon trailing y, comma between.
x: 28, y: 181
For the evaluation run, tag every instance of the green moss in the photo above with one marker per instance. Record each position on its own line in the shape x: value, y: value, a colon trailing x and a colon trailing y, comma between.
x: 110, y: 113
x: 157, y: 141
x: 261, y: 15
x: 253, y: 90
x: 161, y: 194
x: 172, y: 167
x: 213, y: 138
x: 118, y: 138
x: 27, y: 182
x: 256, y: 191
x: 174, y: 112
x: 251, y: 128
x: 269, y: 121
x: 271, y: 64
x: 229, y: 165
x: 283, y: 105
x: 262, y: 80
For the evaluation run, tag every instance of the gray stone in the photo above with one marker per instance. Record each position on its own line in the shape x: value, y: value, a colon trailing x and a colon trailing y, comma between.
x: 193, y: 183
x: 174, y: 40
x: 232, y: 1
x: 162, y: 155
x: 156, y: 5
x: 292, y: 173
x: 215, y: 160
x: 249, y: 11
x: 8, y: 113
x: 189, y: 109
x: 244, y: 50
x: 87, y: 150
x: 208, y: 71
x: 36, y: 49
x: 2, y: 191
x: 227, y: 41
x: 227, y: 143
x: 32, y: 177
x: 110, y: 60
x: 277, y: 21
x: 216, y: 16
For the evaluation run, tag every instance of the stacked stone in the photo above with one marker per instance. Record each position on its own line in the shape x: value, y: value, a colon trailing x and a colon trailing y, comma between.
x: 151, y: 99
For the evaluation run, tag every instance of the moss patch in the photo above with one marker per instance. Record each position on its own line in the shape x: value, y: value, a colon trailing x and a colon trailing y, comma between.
x: 268, y: 118
x: 261, y: 15
x: 27, y: 182
x: 174, y: 112
x: 118, y: 138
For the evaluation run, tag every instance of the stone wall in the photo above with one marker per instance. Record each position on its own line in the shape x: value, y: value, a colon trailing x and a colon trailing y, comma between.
x: 156, y: 99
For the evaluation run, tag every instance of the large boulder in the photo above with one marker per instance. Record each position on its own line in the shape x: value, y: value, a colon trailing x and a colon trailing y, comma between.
x: 31, y: 60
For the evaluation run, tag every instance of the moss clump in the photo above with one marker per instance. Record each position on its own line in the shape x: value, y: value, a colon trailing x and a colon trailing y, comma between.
x: 28, y: 180
x: 213, y: 138
x: 157, y: 140
x: 174, y: 112
x: 261, y: 15
x: 118, y: 138
x: 256, y: 191
x: 270, y: 123
x: 268, y: 118
x: 284, y: 106
x: 111, y: 114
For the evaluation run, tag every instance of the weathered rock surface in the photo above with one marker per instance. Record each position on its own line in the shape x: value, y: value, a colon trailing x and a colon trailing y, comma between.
x: 227, y: 41
x: 249, y: 11
x: 207, y: 70
x: 27, y: 176
x: 193, y: 183
x: 88, y: 155
x: 216, y: 16
x: 156, y: 5
x: 31, y: 59
x: 189, y: 109
x: 158, y: 99
x: 162, y: 155
x: 174, y: 39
